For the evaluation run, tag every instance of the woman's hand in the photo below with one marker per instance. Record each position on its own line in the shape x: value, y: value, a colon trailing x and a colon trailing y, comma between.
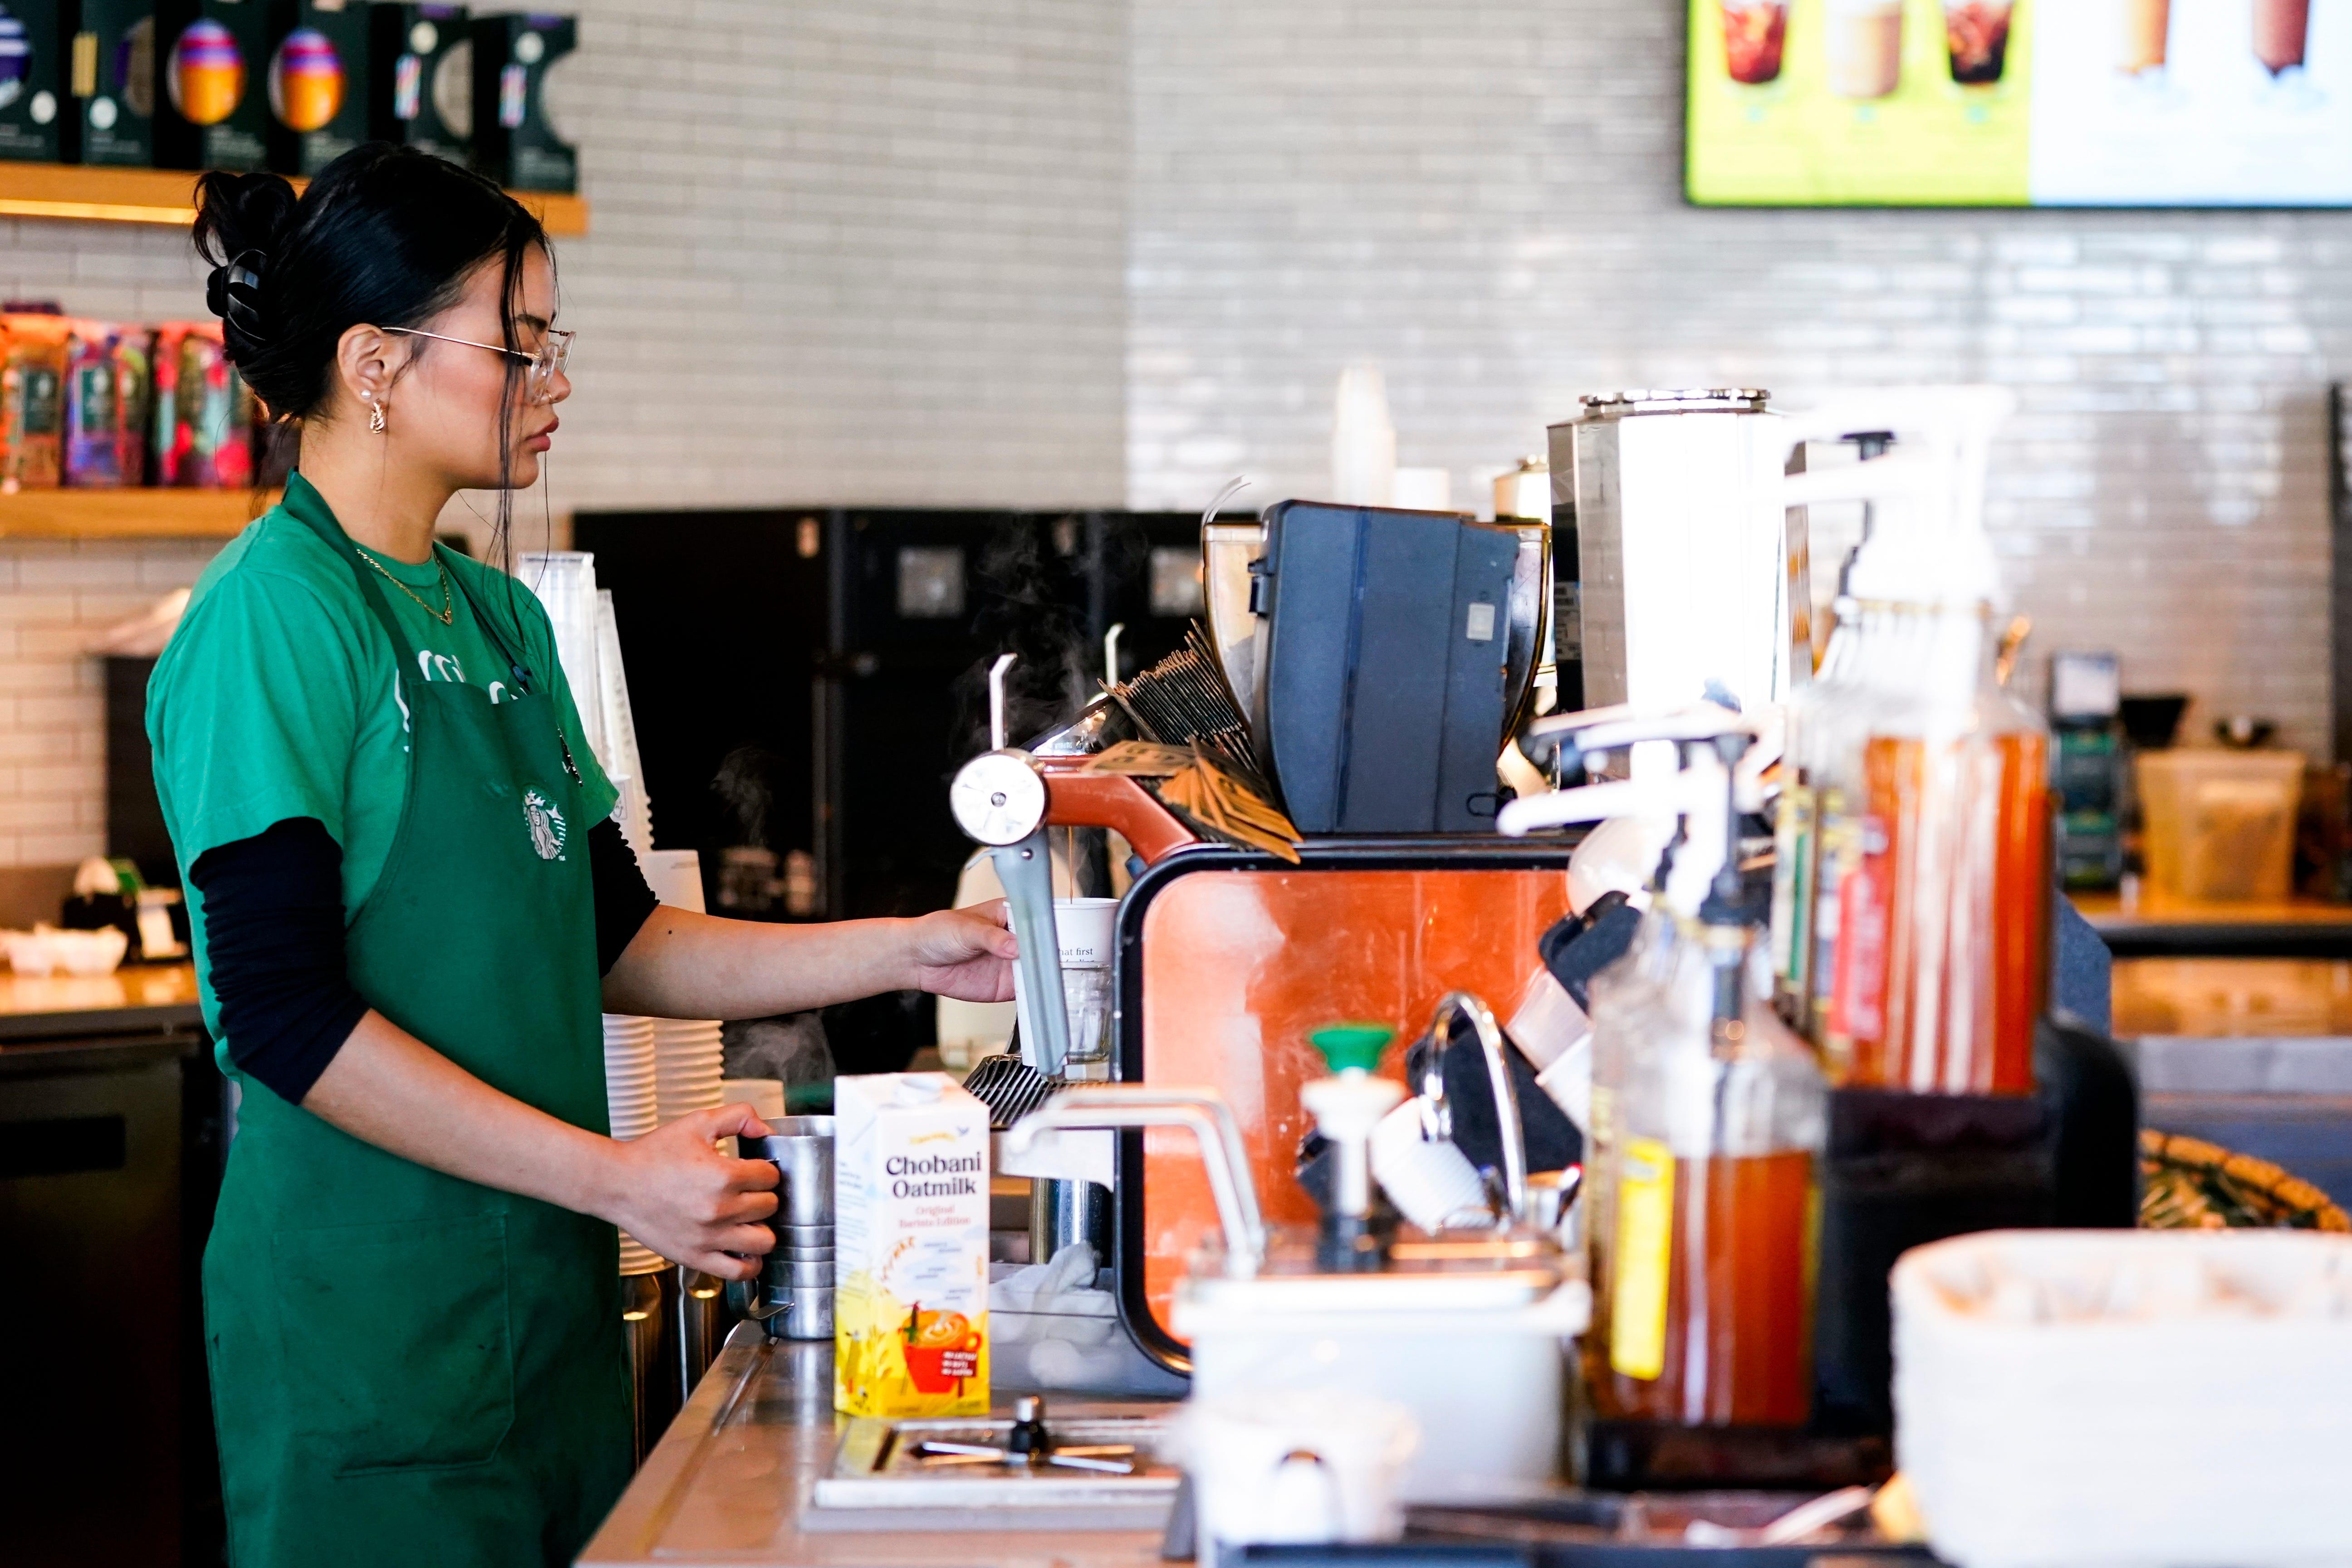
x: 964, y: 953
x: 692, y: 1205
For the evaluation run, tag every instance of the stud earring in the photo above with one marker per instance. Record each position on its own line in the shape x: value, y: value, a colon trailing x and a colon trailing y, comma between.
x: 375, y: 414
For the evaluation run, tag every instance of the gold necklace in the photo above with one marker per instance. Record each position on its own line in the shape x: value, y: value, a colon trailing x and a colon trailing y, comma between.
x: 445, y: 615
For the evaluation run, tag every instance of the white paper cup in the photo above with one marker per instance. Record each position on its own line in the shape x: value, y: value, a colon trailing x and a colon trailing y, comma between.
x: 1083, y: 928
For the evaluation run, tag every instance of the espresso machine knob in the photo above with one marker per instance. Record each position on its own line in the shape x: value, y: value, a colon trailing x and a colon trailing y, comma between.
x: 998, y: 798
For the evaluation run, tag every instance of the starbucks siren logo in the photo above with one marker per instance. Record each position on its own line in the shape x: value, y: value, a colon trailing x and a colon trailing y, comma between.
x: 546, y: 824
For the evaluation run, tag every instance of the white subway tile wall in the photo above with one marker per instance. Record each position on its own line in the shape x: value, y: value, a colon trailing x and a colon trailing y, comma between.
x: 848, y: 250
x: 54, y: 595
x: 1063, y: 252
x: 1483, y: 198
x: 840, y: 252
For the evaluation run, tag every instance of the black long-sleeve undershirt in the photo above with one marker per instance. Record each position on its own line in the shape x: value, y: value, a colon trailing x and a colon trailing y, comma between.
x: 274, y: 941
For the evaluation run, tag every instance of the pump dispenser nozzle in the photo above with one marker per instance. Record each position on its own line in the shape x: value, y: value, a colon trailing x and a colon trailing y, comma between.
x: 1930, y: 487
x: 1347, y: 1106
x: 1721, y: 752
x: 1725, y: 913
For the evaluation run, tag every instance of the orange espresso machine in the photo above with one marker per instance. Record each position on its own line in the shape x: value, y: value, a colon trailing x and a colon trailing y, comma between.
x: 1227, y: 958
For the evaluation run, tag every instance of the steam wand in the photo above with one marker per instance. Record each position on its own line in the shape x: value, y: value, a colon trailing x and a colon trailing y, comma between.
x: 998, y: 799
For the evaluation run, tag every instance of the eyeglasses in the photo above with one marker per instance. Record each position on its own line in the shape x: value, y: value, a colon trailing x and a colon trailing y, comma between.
x: 545, y: 365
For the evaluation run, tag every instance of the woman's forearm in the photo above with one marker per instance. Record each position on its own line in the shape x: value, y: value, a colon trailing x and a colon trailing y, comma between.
x: 387, y: 1087
x: 685, y: 965
x: 671, y: 1189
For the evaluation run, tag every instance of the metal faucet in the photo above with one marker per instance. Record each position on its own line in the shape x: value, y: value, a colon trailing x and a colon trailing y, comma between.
x: 1513, y: 1134
x: 1202, y: 1111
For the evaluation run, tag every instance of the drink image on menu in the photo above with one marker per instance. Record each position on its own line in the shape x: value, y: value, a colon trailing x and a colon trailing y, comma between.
x: 2140, y: 46
x: 1754, y: 32
x: 1864, y: 47
x: 2280, y: 28
x: 1976, y: 34
x: 305, y: 80
x: 16, y: 58
x: 206, y: 74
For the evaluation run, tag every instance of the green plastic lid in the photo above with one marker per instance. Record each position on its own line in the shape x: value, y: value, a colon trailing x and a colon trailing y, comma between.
x: 1354, y: 1045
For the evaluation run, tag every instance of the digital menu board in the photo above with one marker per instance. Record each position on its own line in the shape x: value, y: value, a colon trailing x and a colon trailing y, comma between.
x: 2020, y: 103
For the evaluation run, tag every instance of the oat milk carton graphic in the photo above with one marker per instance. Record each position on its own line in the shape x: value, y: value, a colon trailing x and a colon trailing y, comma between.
x: 910, y: 1211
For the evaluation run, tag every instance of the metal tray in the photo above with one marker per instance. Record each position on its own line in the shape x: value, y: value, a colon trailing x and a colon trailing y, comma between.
x: 873, y: 1469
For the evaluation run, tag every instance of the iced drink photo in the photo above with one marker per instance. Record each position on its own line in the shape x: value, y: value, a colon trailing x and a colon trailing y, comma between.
x: 1977, y: 34
x: 1753, y: 34
x: 2140, y: 46
x: 2280, y: 28
x: 1864, y: 47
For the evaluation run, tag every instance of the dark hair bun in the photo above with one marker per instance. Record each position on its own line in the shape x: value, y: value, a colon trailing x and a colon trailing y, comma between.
x: 384, y: 235
x: 240, y: 222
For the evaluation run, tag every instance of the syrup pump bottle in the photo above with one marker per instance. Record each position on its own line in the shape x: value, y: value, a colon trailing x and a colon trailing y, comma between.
x: 1704, y: 1229
x: 1913, y: 939
x: 1634, y: 999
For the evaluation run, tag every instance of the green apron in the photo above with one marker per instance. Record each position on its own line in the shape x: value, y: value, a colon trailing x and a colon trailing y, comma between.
x: 408, y: 1368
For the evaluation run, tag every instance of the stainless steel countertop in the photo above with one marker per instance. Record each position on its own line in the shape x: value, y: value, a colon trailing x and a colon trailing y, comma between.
x: 728, y: 1481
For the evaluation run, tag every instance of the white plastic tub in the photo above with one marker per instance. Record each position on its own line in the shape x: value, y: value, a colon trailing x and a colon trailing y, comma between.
x: 1488, y: 1387
x: 2119, y: 1399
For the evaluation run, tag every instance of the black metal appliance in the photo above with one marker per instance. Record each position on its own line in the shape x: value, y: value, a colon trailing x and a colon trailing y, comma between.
x: 1385, y: 681
x: 110, y: 1150
x: 831, y: 662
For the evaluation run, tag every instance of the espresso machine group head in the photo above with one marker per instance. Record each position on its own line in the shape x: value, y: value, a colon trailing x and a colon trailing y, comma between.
x: 1005, y: 798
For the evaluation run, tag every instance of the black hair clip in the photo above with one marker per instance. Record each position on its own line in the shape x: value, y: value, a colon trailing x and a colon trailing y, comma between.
x: 232, y: 293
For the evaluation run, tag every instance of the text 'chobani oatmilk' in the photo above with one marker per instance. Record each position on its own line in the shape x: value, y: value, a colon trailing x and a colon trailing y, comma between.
x: 910, y: 1212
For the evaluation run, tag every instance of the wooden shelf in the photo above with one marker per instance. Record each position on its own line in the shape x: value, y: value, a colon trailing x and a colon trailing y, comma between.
x: 128, y: 513
x: 101, y: 195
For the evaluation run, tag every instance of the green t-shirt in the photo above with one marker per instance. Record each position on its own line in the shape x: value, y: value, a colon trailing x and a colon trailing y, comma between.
x: 279, y: 696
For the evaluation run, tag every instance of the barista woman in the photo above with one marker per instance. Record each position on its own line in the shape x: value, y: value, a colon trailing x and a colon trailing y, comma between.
x: 411, y: 909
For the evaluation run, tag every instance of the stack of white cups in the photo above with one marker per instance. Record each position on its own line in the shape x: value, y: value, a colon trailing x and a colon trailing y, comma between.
x: 656, y: 1071
x: 622, y: 764
x: 632, y: 1103
x: 565, y: 583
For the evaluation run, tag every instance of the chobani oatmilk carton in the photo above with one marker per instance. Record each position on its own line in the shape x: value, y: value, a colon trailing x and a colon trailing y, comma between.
x: 910, y: 1212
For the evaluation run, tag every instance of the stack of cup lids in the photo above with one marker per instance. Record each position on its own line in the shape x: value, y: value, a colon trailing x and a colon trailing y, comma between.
x: 636, y: 1257
x: 631, y: 1105
x: 689, y: 1067
x: 629, y: 1074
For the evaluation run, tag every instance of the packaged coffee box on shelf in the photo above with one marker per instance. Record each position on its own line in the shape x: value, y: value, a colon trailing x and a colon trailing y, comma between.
x: 32, y: 81
x: 203, y: 412
x: 513, y: 142
x: 318, y: 83
x: 112, y: 80
x: 421, y: 79
x: 107, y: 386
x: 31, y: 384
x: 911, y: 1216
x: 213, y: 112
